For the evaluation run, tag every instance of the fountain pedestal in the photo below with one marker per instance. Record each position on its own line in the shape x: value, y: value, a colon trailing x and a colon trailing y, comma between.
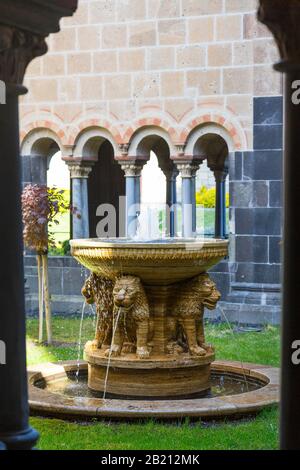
x: 150, y: 300
x: 156, y: 377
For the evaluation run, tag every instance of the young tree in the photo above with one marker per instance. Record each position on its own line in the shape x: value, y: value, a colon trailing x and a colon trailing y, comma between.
x: 41, y: 206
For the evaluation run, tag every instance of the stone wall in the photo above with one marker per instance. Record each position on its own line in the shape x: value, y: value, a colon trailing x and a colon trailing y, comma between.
x: 256, y: 225
x: 117, y: 62
x: 66, y: 279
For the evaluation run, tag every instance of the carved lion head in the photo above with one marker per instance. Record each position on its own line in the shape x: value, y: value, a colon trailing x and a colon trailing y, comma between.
x: 127, y: 290
x: 206, y: 289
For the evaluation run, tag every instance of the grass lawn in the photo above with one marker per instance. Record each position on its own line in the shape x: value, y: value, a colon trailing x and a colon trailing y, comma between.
x: 258, y: 433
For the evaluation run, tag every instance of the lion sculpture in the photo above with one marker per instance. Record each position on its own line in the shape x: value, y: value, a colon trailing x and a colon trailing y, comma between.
x: 185, y: 321
x: 99, y: 290
x: 131, y: 318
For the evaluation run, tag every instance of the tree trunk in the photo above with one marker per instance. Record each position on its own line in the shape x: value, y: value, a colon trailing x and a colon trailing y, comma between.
x: 41, y: 300
x: 47, y: 298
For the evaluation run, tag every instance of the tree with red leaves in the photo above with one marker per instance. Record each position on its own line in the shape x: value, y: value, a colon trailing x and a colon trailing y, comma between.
x: 41, y: 206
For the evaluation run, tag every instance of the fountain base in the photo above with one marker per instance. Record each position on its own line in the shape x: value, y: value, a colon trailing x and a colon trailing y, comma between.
x: 156, y: 377
x: 58, y: 390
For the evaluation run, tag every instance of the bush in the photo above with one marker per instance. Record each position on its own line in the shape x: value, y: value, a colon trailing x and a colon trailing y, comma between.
x: 61, y: 249
x: 207, y: 197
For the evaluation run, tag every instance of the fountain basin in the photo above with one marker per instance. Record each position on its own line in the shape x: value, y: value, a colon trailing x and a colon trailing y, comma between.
x: 44, y: 401
x: 162, y: 262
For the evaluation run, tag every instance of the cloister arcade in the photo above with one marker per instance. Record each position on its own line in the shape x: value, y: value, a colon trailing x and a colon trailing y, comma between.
x: 103, y: 172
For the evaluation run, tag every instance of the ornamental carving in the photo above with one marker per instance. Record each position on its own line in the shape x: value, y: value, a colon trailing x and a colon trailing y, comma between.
x: 127, y: 325
x: 79, y: 170
x: 132, y: 168
x: 187, y: 169
x: 17, y: 49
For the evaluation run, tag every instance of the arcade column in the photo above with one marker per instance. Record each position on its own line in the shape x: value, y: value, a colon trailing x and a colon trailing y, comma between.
x: 283, y: 18
x: 187, y: 171
x: 79, y: 176
x: 22, y: 38
x: 133, y: 171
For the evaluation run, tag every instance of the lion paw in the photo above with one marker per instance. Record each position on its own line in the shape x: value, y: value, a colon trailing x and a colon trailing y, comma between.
x: 142, y: 353
x: 114, y: 351
x: 197, y: 351
x: 207, y: 347
x: 96, y: 344
x: 129, y: 348
x: 174, y: 348
x: 92, y: 345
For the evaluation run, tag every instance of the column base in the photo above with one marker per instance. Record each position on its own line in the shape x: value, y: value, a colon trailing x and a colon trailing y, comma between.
x: 22, y: 440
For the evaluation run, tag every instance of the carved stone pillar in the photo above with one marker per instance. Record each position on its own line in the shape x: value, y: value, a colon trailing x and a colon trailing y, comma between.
x: 283, y: 19
x: 19, y: 44
x: 171, y: 200
x: 220, y: 212
x: 133, y: 171
x: 79, y: 176
x: 195, y: 168
x: 187, y: 172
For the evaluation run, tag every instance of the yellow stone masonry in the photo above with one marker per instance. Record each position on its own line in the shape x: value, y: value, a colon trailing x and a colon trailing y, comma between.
x: 169, y: 62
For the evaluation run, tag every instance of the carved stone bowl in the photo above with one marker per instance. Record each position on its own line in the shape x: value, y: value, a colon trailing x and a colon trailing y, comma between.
x: 155, y: 263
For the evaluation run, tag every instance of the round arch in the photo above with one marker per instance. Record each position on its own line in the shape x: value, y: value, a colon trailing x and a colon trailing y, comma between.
x: 213, y: 143
x: 37, y: 150
x: 106, y: 182
x: 200, y: 134
x: 157, y: 140
x: 146, y: 139
x: 225, y: 123
x: 89, y: 141
x: 41, y: 142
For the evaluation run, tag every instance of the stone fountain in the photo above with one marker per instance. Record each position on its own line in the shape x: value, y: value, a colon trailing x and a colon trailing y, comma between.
x: 150, y: 299
x: 149, y: 357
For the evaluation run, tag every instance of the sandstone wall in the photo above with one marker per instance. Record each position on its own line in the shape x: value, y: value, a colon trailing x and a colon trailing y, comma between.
x: 121, y: 64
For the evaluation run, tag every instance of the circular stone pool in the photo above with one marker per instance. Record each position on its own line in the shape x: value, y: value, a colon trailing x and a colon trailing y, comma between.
x: 236, y: 389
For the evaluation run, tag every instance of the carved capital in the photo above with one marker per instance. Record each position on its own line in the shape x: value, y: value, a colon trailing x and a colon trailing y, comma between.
x: 17, y: 49
x: 80, y: 170
x: 132, y: 168
x: 124, y: 149
x: 180, y: 149
x: 187, y: 169
x: 282, y: 17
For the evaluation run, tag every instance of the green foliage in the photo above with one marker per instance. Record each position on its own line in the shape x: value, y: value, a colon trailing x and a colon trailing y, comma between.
x: 207, y: 197
x: 66, y: 248
x: 60, y: 248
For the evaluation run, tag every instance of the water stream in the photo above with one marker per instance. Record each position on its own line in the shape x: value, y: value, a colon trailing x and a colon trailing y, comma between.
x: 80, y: 341
x: 110, y: 352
